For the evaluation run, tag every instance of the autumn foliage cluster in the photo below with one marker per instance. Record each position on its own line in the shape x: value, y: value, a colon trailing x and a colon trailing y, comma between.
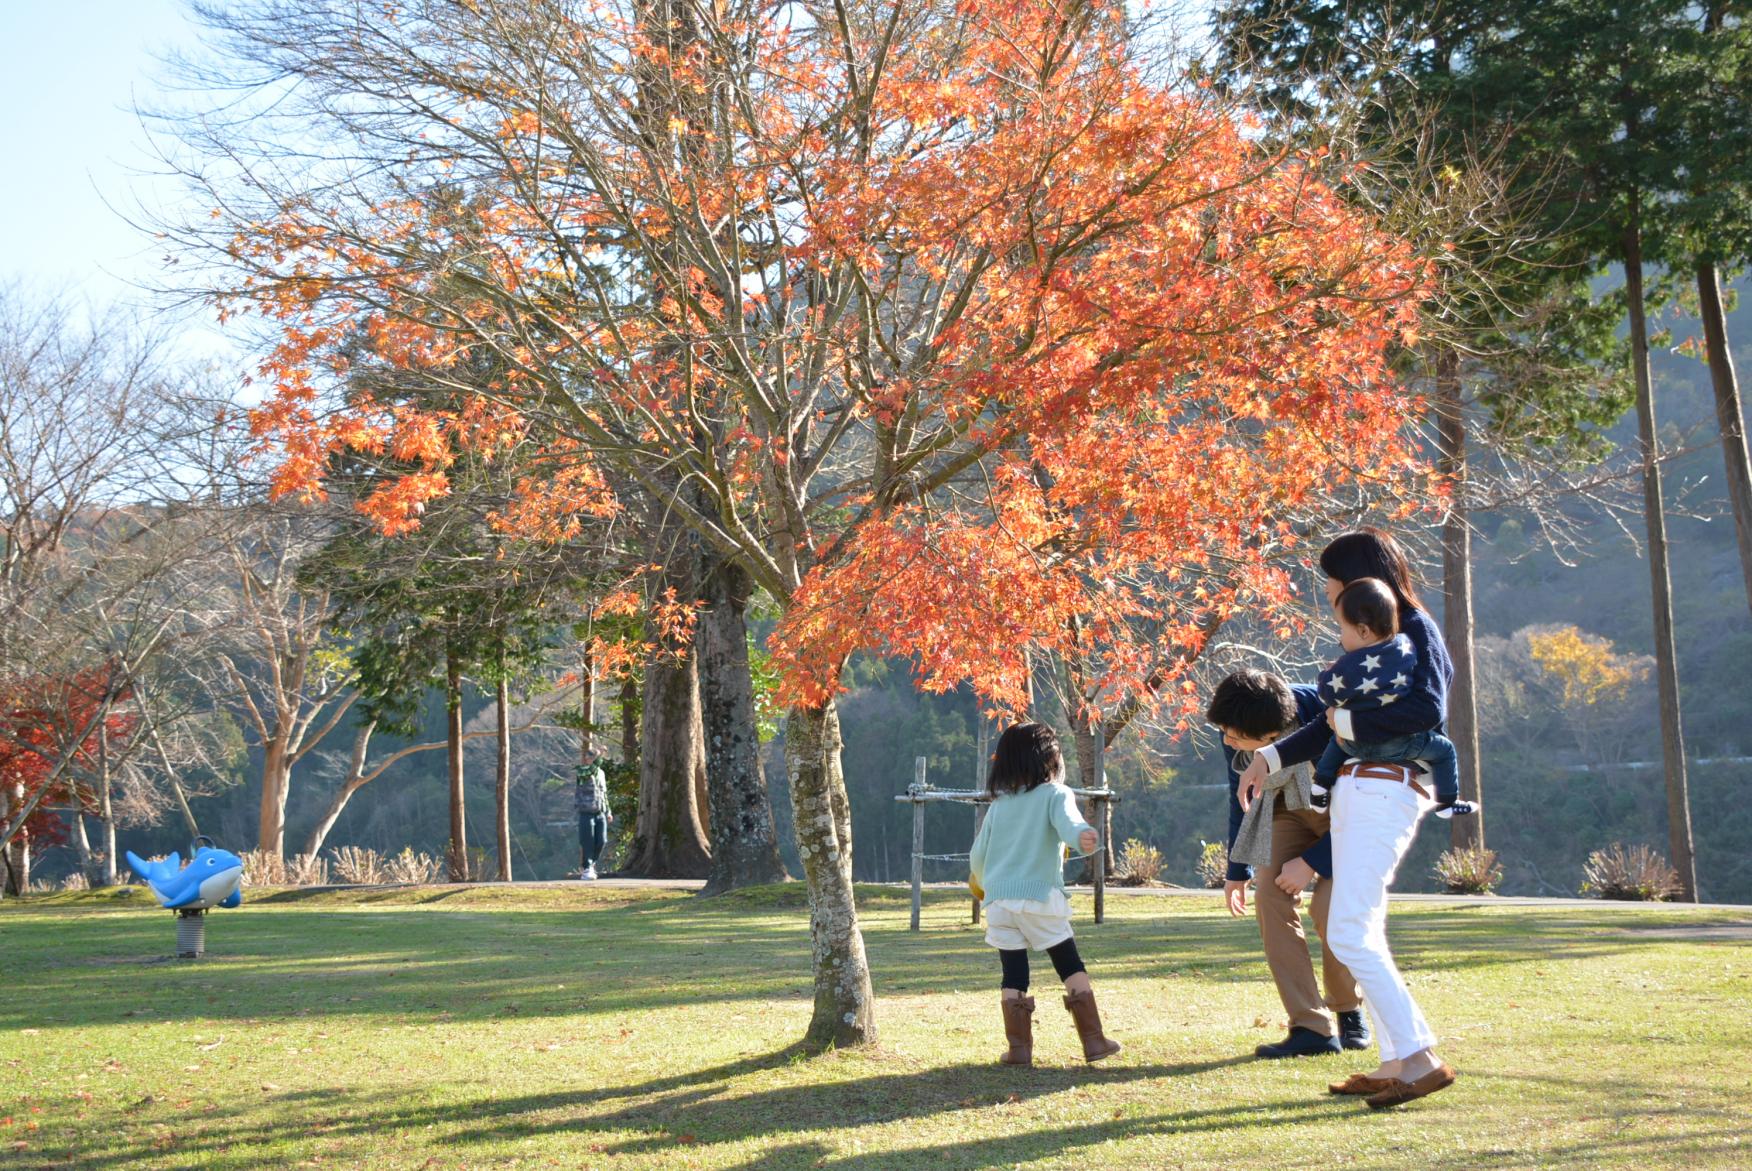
x: 43, y: 721
x: 973, y: 339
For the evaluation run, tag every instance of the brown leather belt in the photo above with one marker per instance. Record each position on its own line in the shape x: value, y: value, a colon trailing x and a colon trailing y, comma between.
x: 1383, y: 770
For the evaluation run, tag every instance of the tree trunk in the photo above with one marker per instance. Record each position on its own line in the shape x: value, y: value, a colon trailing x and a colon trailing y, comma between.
x: 453, y: 750
x: 629, y: 721
x: 106, y: 810
x: 276, y: 782
x: 354, y: 781
x: 1730, y: 416
x: 1463, y: 832
x: 502, y: 779
x: 745, y: 848
x: 844, y: 1003
x: 1666, y: 657
x: 17, y: 854
x: 81, y: 842
x: 587, y: 708
x: 669, y: 840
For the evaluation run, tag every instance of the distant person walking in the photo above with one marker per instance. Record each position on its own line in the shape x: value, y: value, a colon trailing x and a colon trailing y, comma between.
x: 1376, y: 807
x: 594, y: 815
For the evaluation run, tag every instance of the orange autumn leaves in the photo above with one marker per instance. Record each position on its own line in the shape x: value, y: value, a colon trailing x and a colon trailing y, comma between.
x: 1107, y: 355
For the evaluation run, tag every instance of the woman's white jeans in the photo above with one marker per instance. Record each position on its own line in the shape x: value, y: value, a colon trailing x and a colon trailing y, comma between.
x: 1373, y: 824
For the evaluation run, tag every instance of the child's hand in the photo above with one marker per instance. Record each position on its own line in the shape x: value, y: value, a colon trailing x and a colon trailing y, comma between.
x: 1332, y: 718
x: 1086, y: 841
x: 1252, y: 780
x: 1294, y: 876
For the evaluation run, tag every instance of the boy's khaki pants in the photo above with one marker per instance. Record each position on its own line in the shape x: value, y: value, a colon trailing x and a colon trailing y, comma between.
x: 1280, y: 927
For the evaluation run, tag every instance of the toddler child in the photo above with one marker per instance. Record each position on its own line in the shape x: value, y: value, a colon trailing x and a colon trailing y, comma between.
x: 1376, y: 670
x: 1017, y: 870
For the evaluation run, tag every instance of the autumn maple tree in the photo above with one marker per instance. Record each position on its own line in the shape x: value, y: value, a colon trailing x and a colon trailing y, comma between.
x: 50, y: 731
x: 965, y: 331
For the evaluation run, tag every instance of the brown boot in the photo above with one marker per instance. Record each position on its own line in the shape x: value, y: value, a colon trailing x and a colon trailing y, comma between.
x: 1019, y: 1031
x: 1096, y: 1044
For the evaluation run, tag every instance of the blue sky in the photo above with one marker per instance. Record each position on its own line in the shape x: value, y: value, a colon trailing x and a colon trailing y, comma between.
x: 70, y: 71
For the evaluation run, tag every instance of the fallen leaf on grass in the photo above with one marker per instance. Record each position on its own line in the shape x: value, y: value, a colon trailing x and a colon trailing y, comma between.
x: 213, y: 1046
x: 270, y: 1087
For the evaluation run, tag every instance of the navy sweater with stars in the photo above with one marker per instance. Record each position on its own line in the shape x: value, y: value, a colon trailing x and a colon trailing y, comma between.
x: 1374, y: 676
x: 1424, y: 707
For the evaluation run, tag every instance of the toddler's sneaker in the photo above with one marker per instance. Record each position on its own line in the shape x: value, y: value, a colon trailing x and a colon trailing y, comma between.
x: 1319, y: 796
x: 589, y: 874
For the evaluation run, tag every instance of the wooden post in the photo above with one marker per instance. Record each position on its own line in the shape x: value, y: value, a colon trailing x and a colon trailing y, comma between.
x: 918, y: 845
x: 1099, y: 809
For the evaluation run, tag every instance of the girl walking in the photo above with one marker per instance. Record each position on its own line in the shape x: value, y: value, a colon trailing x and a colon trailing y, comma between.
x: 1017, y: 870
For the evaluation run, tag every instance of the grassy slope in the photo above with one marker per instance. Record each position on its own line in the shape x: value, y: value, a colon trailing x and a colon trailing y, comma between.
x: 621, y: 1029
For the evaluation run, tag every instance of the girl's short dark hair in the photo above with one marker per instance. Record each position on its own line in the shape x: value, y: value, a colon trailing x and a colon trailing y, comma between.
x: 1255, y: 703
x: 1370, y: 602
x: 1027, y: 757
x: 1370, y: 552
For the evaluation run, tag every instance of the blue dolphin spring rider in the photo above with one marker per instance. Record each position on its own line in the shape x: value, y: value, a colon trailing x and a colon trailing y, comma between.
x: 213, y: 878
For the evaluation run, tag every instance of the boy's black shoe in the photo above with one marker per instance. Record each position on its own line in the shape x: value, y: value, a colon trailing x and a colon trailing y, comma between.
x: 1318, y: 797
x: 1300, y: 1043
x: 1353, y: 1030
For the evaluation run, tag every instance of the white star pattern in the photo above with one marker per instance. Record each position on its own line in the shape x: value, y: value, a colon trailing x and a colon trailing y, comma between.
x: 1369, y: 685
x: 1389, y: 698
x: 1338, y: 683
x: 1372, y: 663
x: 1400, y: 680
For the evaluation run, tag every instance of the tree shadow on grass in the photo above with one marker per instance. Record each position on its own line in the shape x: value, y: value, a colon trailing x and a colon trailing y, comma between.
x: 1031, y: 1145
x: 707, y: 1104
x: 703, y: 1104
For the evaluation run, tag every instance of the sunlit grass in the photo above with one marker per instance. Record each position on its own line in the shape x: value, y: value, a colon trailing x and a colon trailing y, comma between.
x: 603, y: 1027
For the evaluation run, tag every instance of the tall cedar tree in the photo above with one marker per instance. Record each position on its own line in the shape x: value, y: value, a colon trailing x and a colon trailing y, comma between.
x: 1511, y: 333
x: 1596, y: 93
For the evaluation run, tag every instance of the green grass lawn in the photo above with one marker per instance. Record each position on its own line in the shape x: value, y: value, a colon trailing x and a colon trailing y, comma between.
x: 592, y: 1027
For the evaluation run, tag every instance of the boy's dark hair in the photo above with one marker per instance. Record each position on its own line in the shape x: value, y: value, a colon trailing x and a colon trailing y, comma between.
x: 1371, y: 552
x: 1027, y: 757
x: 1370, y: 602
x: 1256, y: 704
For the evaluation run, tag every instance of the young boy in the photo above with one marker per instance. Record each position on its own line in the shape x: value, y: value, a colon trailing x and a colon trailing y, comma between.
x: 1376, y: 670
x: 1252, y: 709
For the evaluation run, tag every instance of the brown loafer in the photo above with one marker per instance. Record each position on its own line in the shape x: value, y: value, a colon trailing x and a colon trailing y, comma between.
x: 1359, y: 1083
x: 1399, y: 1092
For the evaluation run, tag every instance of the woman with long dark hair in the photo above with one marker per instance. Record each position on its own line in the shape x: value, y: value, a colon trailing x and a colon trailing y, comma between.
x: 1376, y: 808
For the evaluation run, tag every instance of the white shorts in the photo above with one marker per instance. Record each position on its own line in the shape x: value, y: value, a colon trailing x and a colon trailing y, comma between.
x: 1028, y: 924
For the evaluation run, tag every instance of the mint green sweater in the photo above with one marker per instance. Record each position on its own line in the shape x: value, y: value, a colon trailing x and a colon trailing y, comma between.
x: 1017, y: 852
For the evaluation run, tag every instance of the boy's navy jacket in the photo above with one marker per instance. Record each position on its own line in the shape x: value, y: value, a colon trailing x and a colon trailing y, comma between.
x: 1319, y: 855
x: 1373, y: 677
x: 1423, y: 709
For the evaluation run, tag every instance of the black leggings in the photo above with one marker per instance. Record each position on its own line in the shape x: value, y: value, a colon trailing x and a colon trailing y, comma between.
x: 1065, y: 961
